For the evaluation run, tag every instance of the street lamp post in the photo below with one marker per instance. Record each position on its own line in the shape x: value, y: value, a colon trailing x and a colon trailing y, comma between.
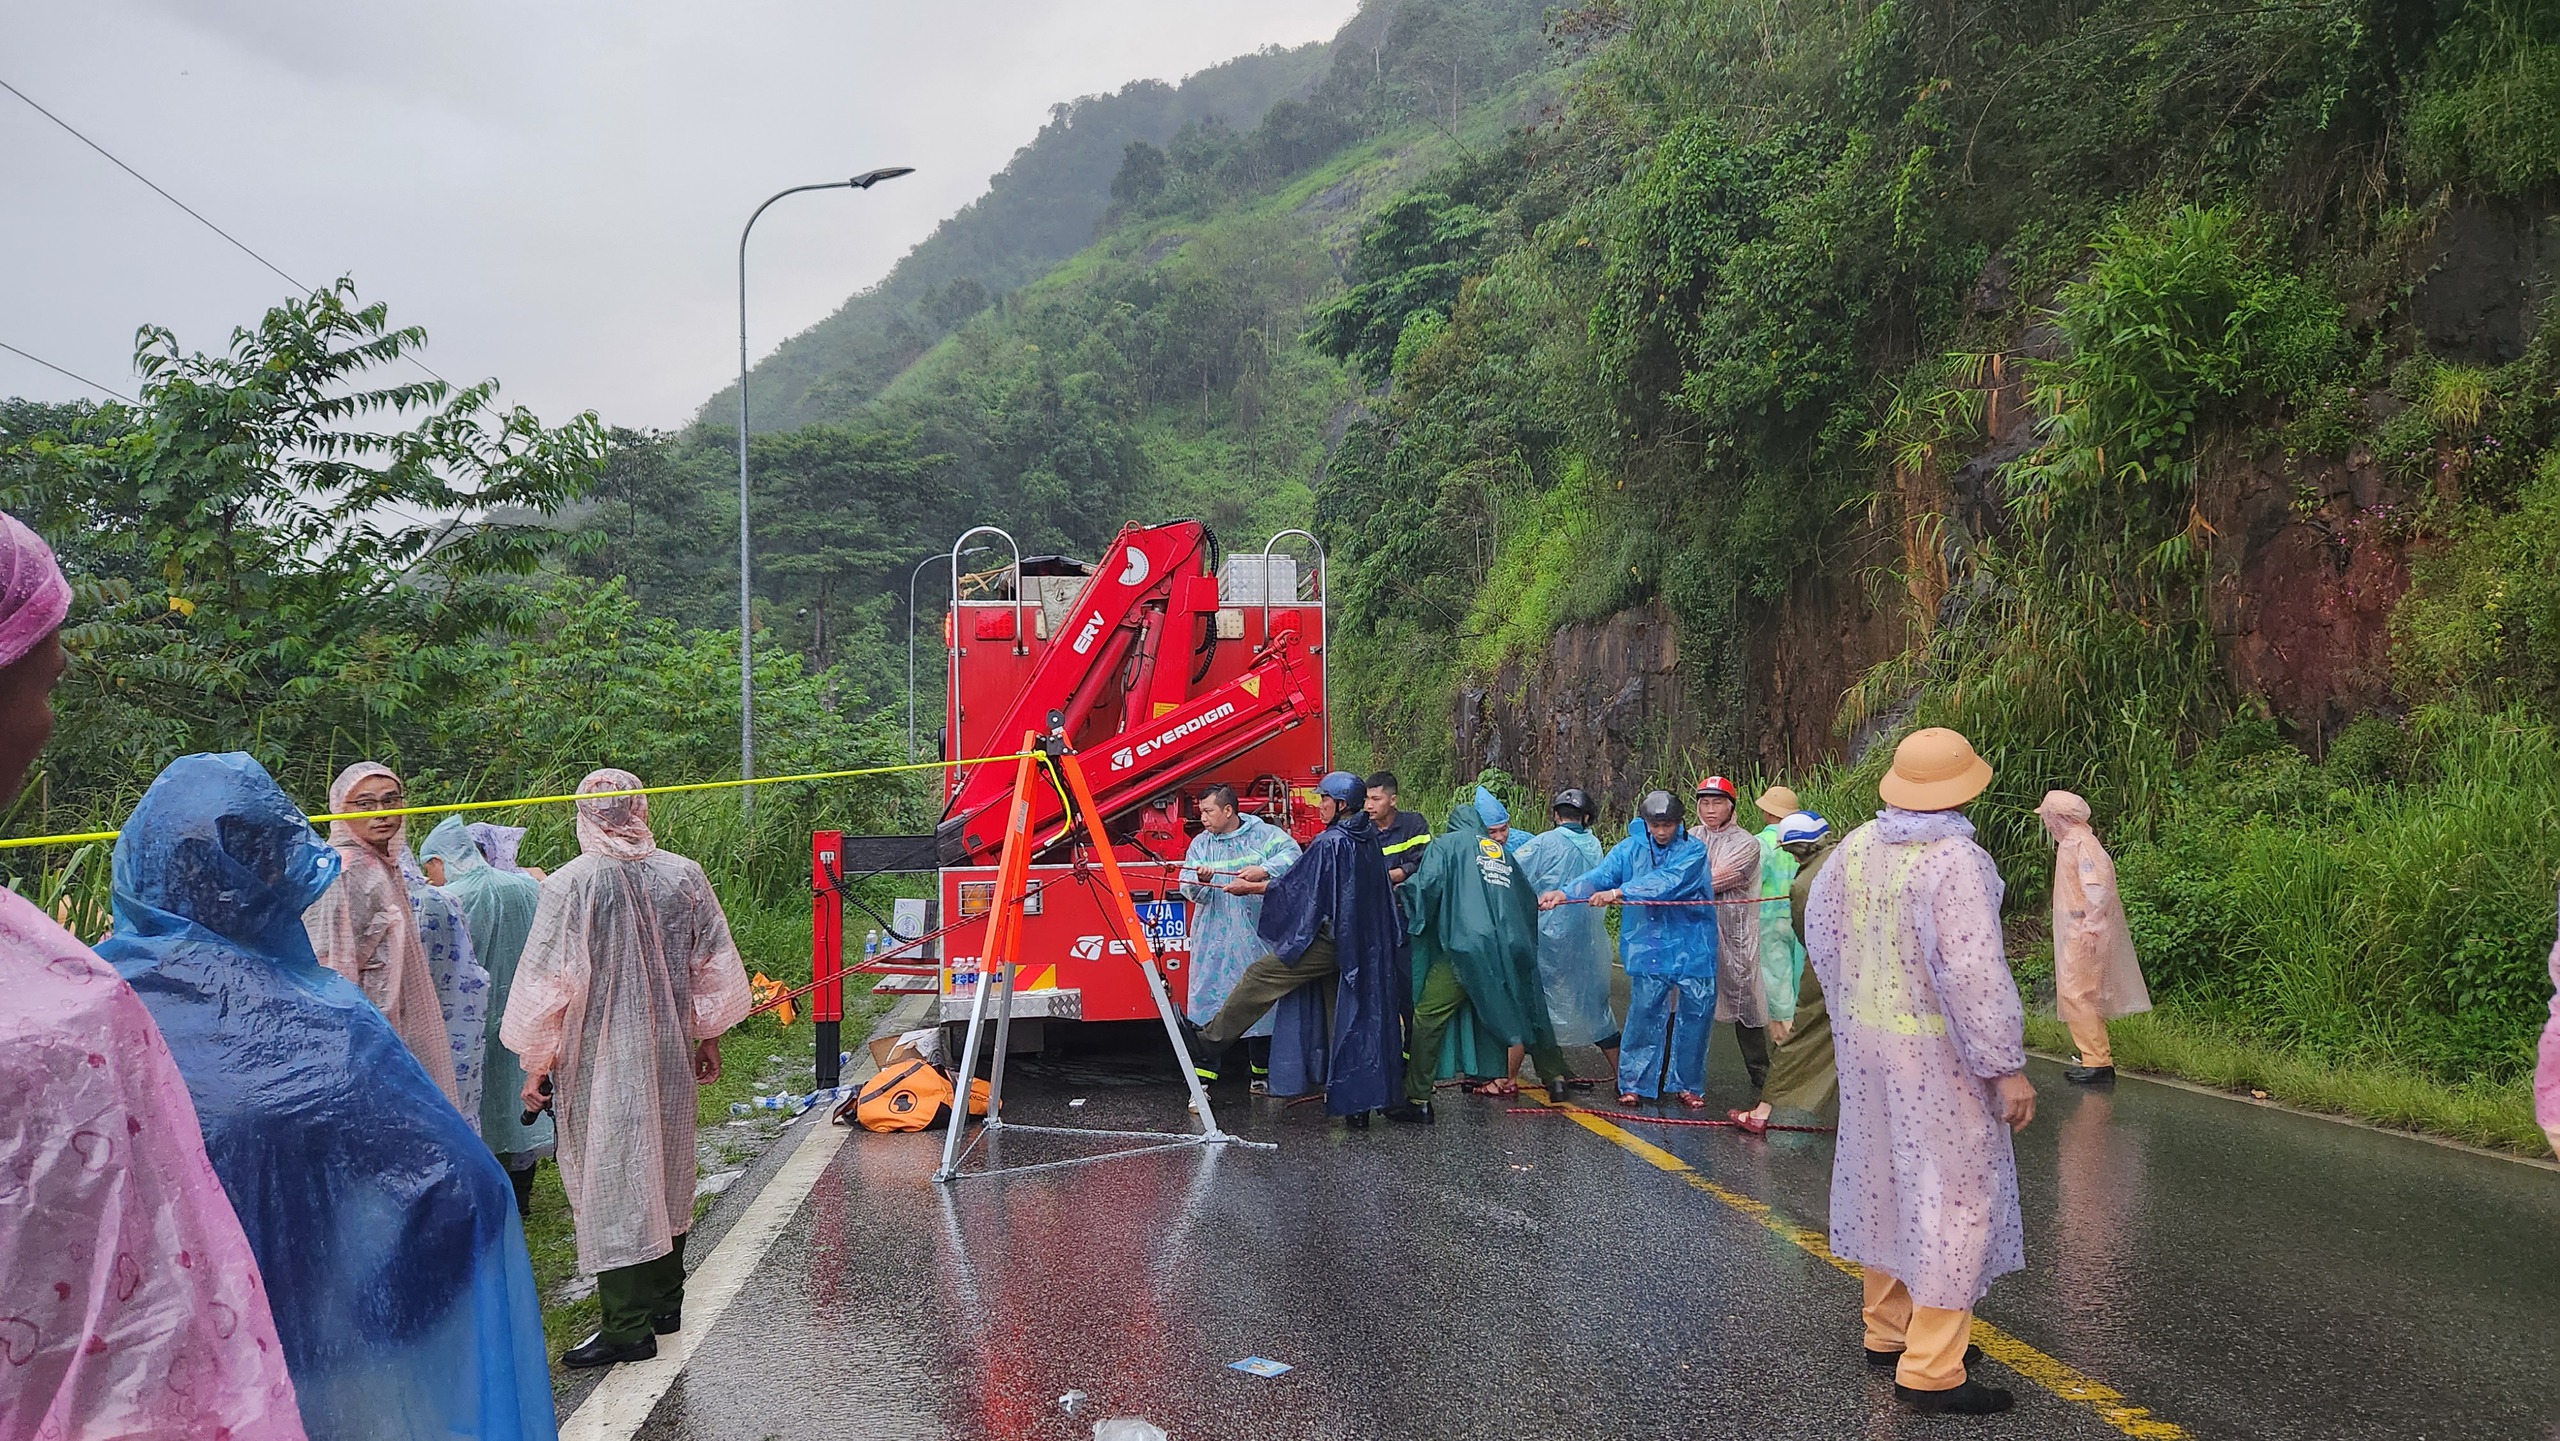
x: 746, y: 593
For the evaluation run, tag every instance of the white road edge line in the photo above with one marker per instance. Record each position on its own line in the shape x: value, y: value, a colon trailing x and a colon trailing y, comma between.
x: 622, y: 1403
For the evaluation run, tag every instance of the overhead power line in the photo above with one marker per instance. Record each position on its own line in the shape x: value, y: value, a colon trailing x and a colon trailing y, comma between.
x: 69, y: 129
x: 75, y: 375
x: 241, y: 245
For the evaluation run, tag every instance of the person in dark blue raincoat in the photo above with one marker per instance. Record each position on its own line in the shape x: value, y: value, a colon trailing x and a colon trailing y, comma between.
x: 385, y: 1230
x: 1332, y: 917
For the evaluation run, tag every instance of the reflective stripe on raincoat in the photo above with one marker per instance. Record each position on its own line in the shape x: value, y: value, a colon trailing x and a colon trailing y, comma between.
x: 1903, y: 929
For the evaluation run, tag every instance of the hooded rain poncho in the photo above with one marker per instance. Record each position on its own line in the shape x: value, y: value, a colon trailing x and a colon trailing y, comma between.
x: 362, y: 928
x: 386, y: 1232
x: 1467, y: 904
x: 2095, y: 972
x: 498, y: 845
x: 628, y: 964
x: 1223, y: 939
x: 462, y: 984
x: 1339, y: 887
x: 1739, y: 994
x: 134, y: 1305
x: 1657, y: 940
x: 1781, y: 954
x: 1903, y: 928
x: 498, y: 908
x: 1573, y: 941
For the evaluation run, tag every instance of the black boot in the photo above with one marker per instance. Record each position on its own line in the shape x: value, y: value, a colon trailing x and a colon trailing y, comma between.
x: 1970, y: 1399
x: 668, y: 1324
x: 523, y: 1182
x: 1412, y: 1114
x: 597, y: 1351
x: 2089, y: 1075
x: 1357, y: 1120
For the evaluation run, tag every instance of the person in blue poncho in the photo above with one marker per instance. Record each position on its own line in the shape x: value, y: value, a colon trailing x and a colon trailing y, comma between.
x: 1668, y: 943
x: 385, y: 1230
x: 498, y: 905
x: 1332, y: 918
x: 1573, y: 943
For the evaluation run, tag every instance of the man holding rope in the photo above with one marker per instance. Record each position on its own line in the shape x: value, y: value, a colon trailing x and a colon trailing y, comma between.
x: 1667, y: 940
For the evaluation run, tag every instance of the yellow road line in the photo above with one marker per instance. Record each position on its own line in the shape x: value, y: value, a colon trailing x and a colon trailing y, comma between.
x: 2059, y: 1377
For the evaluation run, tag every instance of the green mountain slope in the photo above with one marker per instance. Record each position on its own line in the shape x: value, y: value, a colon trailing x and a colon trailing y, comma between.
x: 1041, y: 208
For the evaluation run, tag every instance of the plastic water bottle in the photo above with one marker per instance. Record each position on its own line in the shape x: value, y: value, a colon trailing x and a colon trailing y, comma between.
x: 739, y: 1108
x: 871, y: 945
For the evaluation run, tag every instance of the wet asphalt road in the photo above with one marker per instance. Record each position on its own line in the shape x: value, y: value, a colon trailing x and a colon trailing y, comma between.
x: 2241, y: 1272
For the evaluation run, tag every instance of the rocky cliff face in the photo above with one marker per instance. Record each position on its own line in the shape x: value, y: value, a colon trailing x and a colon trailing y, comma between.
x: 2309, y: 556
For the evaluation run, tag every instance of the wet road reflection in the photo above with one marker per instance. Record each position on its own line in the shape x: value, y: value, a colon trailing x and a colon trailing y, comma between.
x: 2239, y: 1272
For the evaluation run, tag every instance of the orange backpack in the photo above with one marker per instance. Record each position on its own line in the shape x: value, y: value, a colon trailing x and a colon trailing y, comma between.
x: 915, y: 1096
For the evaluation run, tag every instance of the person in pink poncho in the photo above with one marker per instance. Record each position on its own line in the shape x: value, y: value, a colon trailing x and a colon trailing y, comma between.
x: 132, y: 1305
x: 627, y: 981
x: 1903, y: 929
x: 362, y: 926
x: 2095, y: 975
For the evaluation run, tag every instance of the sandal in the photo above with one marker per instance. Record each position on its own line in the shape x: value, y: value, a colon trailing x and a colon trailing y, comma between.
x: 1693, y: 1100
x: 1629, y: 1098
x: 1751, y: 1125
x: 1499, y: 1088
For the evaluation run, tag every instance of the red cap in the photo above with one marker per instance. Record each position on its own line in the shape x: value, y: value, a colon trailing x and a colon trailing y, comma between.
x: 1718, y: 785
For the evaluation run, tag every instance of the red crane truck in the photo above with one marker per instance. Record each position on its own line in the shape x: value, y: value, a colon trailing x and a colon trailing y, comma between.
x: 1170, y: 670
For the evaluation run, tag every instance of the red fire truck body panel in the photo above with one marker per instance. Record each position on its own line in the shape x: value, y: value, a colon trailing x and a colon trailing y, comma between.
x: 1170, y: 677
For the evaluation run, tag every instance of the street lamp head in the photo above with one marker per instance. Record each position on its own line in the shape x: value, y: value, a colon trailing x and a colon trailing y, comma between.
x: 869, y: 178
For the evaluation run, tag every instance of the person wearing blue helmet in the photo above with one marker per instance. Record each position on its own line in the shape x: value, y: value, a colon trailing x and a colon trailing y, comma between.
x: 1667, y: 941
x: 387, y: 1233
x: 1331, y: 918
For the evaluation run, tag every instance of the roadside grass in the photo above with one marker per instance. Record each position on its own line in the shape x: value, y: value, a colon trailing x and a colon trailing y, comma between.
x: 2169, y: 1042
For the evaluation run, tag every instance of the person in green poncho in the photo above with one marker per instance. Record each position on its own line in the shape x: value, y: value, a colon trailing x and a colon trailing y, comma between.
x: 498, y: 906
x: 1474, y: 923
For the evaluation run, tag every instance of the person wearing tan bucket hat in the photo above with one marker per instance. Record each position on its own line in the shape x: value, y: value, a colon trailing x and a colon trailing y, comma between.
x: 1903, y: 930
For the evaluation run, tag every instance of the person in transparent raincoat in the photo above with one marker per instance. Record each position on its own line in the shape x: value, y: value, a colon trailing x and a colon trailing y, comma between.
x: 498, y: 907
x: 628, y: 979
x: 1667, y: 942
x: 364, y: 928
x: 1573, y: 941
x: 133, y: 1306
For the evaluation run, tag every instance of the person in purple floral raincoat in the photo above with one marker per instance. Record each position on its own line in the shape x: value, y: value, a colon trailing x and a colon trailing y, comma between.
x: 1903, y: 928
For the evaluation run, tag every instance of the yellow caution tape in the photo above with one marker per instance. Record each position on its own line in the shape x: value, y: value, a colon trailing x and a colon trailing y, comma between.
x: 84, y: 837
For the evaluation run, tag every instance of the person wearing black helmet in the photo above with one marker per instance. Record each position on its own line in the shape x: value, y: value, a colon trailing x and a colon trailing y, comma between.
x: 1668, y: 943
x: 1332, y: 918
x: 1573, y: 942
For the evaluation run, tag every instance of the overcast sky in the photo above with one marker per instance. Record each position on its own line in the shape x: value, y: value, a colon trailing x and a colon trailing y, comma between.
x: 552, y: 187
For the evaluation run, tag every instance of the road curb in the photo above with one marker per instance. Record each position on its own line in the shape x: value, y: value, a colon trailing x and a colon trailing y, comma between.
x: 621, y: 1402
x: 2270, y: 1103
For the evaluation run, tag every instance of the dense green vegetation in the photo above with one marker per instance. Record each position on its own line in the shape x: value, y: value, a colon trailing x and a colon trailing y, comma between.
x: 1537, y: 316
